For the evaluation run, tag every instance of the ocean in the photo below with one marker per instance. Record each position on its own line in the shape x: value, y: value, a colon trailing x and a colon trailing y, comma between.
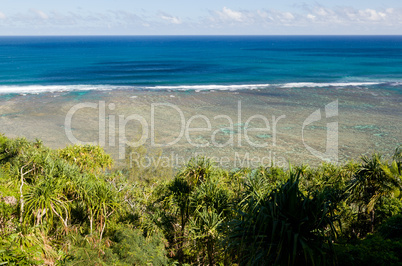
x: 269, y: 100
x: 37, y: 64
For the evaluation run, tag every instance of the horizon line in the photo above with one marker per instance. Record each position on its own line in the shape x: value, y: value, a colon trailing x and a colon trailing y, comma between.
x: 195, y: 35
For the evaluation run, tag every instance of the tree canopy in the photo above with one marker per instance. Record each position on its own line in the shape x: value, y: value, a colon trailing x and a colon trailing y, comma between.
x: 72, y: 206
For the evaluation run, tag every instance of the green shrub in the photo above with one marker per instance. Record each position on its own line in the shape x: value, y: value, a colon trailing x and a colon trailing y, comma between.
x: 133, y: 248
x: 392, y: 228
x: 387, y: 207
x: 372, y: 251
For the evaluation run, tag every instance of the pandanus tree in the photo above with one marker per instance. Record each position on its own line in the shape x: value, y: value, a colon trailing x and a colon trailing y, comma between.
x: 26, y: 161
x: 283, y: 227
x: 106, y: 203
x: 197, y: 170
x: 46, y: 200
x: 205, y: 231
x: 211, y: 204
x: 99, y: 201
x: 96, y: 196
x: 51, y: 196
x: 373, y: 180
x: 88, y: 158
x: 394, y: 169
x: 177, y: 197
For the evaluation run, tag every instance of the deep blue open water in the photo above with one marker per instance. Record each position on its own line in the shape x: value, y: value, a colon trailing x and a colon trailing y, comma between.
x: 33, y: 64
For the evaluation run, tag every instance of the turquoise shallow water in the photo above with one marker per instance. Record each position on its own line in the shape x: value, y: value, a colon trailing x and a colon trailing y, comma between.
x: 202, y: 62
x: 291, y: 77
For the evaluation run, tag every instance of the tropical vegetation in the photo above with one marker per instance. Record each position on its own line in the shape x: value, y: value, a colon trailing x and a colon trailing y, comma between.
x: 73, y: 207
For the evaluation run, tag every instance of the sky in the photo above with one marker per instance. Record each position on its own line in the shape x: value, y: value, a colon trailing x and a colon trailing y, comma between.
x: 201, y: 17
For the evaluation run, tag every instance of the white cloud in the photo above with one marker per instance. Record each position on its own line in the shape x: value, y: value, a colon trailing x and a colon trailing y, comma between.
x: 229, y: 14
x: 309, y: 19
x: 310, y: 16
x: 225, y: 20
x: 170, y: 19
x: 244, y: 18
x: 288, y: 16
x: 351, y: 16
x: 371, y: 14
x: 40, y: 13
x: 282, y: 17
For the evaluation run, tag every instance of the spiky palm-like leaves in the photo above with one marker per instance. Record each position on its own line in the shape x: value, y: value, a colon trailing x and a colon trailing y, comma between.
x: 46, y: 200
x: 211, y: 204
x: 284, y: 228
x: 98, y: 199
x: 204, y: 229
x: 197, y: 170
x: 88, y: 158
x: 373, y: 180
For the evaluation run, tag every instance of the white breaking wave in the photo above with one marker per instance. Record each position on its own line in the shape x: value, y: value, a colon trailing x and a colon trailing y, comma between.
x: 335, y: 84
x: 35, y: 89
x: 211, y: 87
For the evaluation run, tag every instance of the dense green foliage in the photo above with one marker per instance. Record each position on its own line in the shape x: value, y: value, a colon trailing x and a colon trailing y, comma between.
x: 71, y: 207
